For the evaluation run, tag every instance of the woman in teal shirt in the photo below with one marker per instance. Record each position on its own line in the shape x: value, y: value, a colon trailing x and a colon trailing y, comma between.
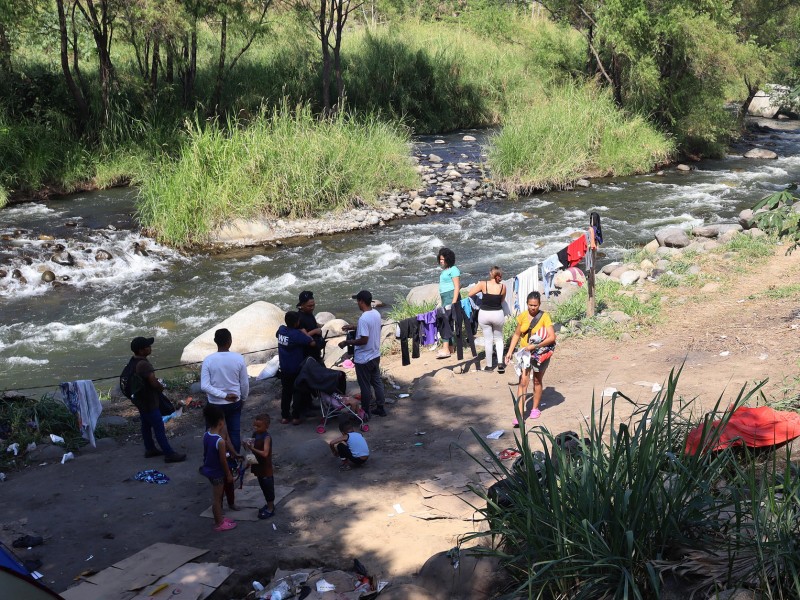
x: 449, y: 289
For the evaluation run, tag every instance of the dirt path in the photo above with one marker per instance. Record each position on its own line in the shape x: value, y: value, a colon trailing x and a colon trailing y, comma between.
x: 92, y: 515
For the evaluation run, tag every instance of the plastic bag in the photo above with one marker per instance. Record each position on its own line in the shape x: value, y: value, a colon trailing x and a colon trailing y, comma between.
x: 270, y: 369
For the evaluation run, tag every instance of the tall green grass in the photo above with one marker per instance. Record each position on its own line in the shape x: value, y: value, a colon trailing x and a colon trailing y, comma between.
x: 608, y: 512
x: 570, y: 131
x: 283, y: 163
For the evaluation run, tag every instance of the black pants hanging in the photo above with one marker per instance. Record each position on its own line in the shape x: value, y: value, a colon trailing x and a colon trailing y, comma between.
x: 409, y: 328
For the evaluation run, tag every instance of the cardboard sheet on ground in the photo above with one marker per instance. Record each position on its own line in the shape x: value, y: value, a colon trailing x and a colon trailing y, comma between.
x: 125, y: 578
x: 249, y: 499
x: 193, y: 591
x: 443, y: 485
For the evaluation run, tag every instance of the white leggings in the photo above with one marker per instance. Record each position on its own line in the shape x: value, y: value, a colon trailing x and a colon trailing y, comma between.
x: 491, y: 322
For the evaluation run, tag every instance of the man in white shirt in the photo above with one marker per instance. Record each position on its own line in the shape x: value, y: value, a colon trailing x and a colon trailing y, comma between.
x: 367, y: 354
x: 223, y: 377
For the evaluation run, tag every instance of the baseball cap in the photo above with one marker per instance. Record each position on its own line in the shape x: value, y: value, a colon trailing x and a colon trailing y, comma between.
x: 141, y: 342
x: 305, y: 296
x: 363, y: 296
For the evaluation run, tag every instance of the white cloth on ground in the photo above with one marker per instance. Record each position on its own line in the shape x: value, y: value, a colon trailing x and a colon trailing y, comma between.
x: 82, y: 399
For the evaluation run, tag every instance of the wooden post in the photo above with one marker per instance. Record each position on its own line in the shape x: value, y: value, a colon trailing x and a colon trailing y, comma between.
x: 593, y: 253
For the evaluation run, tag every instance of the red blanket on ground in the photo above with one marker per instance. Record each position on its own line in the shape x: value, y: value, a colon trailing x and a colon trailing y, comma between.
x: 752, y: 427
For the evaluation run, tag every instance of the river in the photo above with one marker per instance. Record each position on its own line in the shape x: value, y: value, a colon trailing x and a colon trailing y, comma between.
x: 82, y: 328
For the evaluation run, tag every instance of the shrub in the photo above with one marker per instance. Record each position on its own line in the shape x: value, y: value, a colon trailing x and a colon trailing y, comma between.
x: 604, y: 513
x: 780, y: 217
x: 403, y: 309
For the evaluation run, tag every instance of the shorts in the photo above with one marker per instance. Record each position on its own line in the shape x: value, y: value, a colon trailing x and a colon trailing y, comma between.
x: 217, y: 480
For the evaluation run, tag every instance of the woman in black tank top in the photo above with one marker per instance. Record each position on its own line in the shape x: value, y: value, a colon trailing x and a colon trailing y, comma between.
x: 491, y: 316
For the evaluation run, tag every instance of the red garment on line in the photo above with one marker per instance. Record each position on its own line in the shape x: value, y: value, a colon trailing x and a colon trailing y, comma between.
x: 752, y: 427
x: 576, y: 250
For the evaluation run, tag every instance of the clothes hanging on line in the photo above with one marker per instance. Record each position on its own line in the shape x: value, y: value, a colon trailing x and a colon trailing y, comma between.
x: 409, y: 329
x: 466, y: 305
x: 427, y: 327
x: 528, y: 282
x: 508, y: 303
x: 550, y: 267
x: 81, y: 398
x: 562, y: 257
x: 576, y: 251
x: 464, y: 325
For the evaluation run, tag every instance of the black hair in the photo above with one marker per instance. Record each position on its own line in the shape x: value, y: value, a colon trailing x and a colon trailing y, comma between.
x: 212, y: 414
x: 222, y: 337
x: 533, y: 296
x: 291, y: 319
x: 448, y: 255
x: 346, y: 425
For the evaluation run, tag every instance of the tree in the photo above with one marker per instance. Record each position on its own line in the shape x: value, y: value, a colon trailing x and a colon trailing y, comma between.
x: 328, y: 18
x: 77, y: 93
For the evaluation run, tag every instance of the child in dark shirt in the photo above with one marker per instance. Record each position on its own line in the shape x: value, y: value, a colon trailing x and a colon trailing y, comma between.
x: 291, y: 342
x: 215, y: 465
x: 261, y: 447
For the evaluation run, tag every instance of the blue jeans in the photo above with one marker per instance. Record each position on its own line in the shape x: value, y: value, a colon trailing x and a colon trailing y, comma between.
x: 233, y: 421
x: 153, y: 424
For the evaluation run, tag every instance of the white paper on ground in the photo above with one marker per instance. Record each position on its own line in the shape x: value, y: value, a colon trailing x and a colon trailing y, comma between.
x: 495, y: 435
x: 56, y: 439
x: 324, y: 586
x: 398, y: 509
x: 609, y: 391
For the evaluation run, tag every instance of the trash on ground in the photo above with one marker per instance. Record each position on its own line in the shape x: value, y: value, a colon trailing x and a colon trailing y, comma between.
x: 496, y: 435
x: 419, y: 444
x: 13, y: 448
x: 609, y: 391
x: 724, y: 353
x: 56, y: 439
x: 420, y: 432
x: 508, y: 454
x: 324, y: 586
x: 398, y: 509
x: 67, y: 457
x: 763, y: 356
x: 403, y: 395
x: 2, y: 476
x: 152, y: 476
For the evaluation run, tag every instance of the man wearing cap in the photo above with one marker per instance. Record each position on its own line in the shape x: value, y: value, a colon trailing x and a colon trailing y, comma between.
x: 308, y: 324
x: 367, y: 354
x: 147, y: 400
x: 224, y: 379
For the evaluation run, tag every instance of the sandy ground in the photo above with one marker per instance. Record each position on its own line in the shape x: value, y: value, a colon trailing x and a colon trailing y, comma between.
x: 93, y: 515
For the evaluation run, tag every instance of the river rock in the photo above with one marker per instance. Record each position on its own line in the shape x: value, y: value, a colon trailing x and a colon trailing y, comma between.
x: 48, y: 276
x: 728, y: 235
x: 324, y: 317
x: 102, y: 255
x: 584, y: 183
x: 253, y: 329
x: 434, y: 158
x: 699, y: 247
x: 618, y: 316
x: 746, y: 218
x: 708, y: 231
x: 683, y: 168
x: 630, y: 277
x: 646, y: 265
x: 415, y: 205
x: 760, y: 153
x: 373, y: 220
x: 761, y: 106
x: 566, y: 276
x: 710, y: 288
x: 430, y: 201
x: 16, y: 274
x: 334, y: 328
x: 672, y: 237
x: 469, y: 138
x: 3, y: 273
x: 64, y: 259
x: 609, y: 268
x: 665, y: 251
x: 651, y: 246
x: 755, y: 232
x: 46, y: 453
x: 424, y: 293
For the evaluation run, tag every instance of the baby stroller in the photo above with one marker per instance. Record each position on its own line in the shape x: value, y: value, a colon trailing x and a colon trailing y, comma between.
x: 326, y: 386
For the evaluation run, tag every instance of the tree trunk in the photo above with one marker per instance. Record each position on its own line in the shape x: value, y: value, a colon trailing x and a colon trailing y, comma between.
x: 325, y: 33
x: 154, y: 68
x: 341, y: 18
x: 77, y: 96
x: 5, y: 51
x: 170, y: 74
x: 752, y: 90
x: 223, y: 43
x: 616, y: 78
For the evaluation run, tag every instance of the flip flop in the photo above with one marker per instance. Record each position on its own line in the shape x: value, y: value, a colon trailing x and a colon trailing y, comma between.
x: 535, y: 413
x: 442, y: 355
x: 225, y: 526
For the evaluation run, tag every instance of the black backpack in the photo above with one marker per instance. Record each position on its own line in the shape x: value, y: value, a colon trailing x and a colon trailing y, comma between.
x: 129, y: 382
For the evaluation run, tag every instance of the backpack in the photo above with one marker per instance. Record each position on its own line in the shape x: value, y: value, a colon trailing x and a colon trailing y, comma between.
x: 129, y: 382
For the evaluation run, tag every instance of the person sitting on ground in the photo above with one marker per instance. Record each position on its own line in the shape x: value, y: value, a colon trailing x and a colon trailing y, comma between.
x: 351, y: 447
x: 537, y: 340
x: 291, y: 341
x: 215, y: 466
x: 261, y: 447
x: 146, y: 399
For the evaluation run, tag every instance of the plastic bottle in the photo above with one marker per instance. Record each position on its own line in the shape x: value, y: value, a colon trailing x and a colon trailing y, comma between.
x: 280, y: 592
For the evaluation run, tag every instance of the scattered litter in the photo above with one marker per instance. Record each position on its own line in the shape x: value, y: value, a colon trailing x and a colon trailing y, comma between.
x: 454, y: 554
x: 724, y: 353
x: 147, y: 514
x: 151, y: 476
x: 257, y: 586
x: 2, y: 476
x: 91, y: 556
x: 395, y: 386
x: 656, y: 387
x: 723, y: 337
x: 741, y: 301
x: 418, y: 444
x: 56, y: 439
x: 280, y: 591
x: 31, y: 447
x: 44, y: 464
x: 496, y: 435
x: 763, y: 356
x: 403, y: 395
x: 274, y: 528
x: 398, y: 509
x: 794, y: 325
x: 381, y: 585
x: 420, y: 432
x: 324, y: 586
x: 13, y: 448
x: 609, y: 392
x: 67, y: 457
x: 655, y: 344
x: 508, y: 454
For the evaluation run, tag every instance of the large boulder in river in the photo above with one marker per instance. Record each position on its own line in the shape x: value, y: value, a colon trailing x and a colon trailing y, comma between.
x: 672, y: 237
x: 761, y: 106
x: 252, y: 328
x: 760, y: 153
x: 717, y: 229
x: 424, y: 293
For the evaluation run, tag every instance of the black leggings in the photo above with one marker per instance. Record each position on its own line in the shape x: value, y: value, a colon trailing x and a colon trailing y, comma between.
x: 268, y: 487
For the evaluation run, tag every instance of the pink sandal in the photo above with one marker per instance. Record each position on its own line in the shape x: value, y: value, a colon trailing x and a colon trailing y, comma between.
x: 535, y: 413
x: 225, y: 526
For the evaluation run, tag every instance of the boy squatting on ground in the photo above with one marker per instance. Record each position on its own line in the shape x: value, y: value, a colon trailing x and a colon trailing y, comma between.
x: 261, y: 446
x: 215, y: 465
x: 351, y: 446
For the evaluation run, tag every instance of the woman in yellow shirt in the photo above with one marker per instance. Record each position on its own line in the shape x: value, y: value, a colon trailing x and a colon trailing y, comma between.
x: 537, y: 341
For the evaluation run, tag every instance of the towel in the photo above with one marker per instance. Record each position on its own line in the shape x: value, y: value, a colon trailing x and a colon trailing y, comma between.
x: 81, y: 398
x: 550, y: 267
x: 528, y: 282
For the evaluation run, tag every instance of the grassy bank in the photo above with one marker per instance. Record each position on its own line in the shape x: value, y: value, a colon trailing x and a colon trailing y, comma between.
x: 571, y: 131
x: 282, y: 164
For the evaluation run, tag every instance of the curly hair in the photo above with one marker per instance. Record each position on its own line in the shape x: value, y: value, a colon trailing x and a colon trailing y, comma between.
x: 448, y: 255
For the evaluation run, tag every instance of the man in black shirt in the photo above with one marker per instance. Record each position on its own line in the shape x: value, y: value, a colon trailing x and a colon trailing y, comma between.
x: 309, y: 325
x: 146, y: 399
